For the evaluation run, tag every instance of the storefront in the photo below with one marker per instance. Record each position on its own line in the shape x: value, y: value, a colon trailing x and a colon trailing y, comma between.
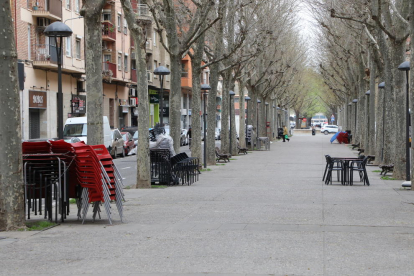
x: 37, y: 113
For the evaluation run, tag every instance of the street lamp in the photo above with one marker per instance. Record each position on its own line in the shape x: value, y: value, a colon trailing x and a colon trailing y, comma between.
x: 382, y: 86
x: 161, y: 71
x: 257, y: 122
x: 231, y: 93
x: 59, y: 30
x: 247, y: 99
x: 368, y: 93
x: 405, y: 66
x: 274, y: 121
x: 266, y: 104
x: 355, y: 102
x: 205, y: 88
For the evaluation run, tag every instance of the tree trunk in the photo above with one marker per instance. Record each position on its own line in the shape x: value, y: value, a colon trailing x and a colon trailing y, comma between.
x: 225, y: 112
x: 11, y: 178
x: 91, y: 11
x: 143, y: 159
x: 212, y: 107
x: 412, y: 88
x: 196, y: 60
x: 371, y: 109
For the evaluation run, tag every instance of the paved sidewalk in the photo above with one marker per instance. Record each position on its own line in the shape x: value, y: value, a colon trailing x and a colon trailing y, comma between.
x: 265, y: 213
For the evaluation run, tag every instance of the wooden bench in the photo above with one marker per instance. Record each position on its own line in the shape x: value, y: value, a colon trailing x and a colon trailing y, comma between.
x: 360, y: 151
x: 222, y: 156
x: 370, y: 158
x: 354, y: 146
x: 241, y: 150
x: 386, y: 168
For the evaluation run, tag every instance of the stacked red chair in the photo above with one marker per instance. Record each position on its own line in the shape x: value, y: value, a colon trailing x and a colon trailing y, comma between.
x: 56, y: 170
x: 95, y: 174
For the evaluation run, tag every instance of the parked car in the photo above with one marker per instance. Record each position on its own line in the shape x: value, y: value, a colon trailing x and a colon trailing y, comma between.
x: 117, y: 144
x: 131, y: 130
x: 326, y: 129
x: 183, y: 137
x: 128, y: 142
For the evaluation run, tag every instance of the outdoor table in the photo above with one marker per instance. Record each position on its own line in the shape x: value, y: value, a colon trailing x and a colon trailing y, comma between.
x: 346, y: 161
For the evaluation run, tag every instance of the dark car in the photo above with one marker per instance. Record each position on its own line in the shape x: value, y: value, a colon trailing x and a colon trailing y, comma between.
x: 128, y: 142
x: 129, y: 129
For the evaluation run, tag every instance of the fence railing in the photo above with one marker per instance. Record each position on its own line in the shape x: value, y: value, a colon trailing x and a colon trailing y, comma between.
x: 44, y: 52
x: 109, y: 67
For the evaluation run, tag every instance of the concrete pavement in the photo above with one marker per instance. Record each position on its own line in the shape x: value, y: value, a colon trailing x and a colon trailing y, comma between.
x: 266, y: 213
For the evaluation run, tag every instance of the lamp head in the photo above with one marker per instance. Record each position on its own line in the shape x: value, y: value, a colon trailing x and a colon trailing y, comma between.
x: 231, y: 93
x: 206, y: 88
x: 381, y: 85
x: 355, y: 100
x: 259, y: 101
x: 247, y: 98
x: 161, y: 70
x: 266, y: 103
x: 405, y: 66
x: 58, y: 29
x: 368, y: 92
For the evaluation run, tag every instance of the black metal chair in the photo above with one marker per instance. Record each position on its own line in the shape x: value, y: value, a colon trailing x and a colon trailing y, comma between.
x: 360, y: 167
x: 334, y: 165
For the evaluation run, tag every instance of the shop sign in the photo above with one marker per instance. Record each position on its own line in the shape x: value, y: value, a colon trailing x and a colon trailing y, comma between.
x: 124, y: 109
x: 78, y: 104
x: 166, y: 111
x: 37, y: 99
x: 153, y: 96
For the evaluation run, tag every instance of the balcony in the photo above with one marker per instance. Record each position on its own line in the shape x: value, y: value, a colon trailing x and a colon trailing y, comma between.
x: 133, y: 75
x: 186, y: 80
x: 148, y: 45
x: 108, y: 31
x: 109, y: 70
x: 51, y: 9
x: 44, y: 56
x: 149, y: 76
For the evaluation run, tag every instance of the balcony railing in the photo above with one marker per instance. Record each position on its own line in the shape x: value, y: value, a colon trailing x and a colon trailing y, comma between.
x: 46, y: 8
x: 108, y: 30
x: 141, y: 10
x: 45, y: 52
x: 148, y: 44
x: 184, y: 74
x: 134, y: 75
x: 109, y: 69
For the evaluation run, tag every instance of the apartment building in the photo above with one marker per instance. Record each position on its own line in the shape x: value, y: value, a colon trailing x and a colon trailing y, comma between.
x: 38, y: 54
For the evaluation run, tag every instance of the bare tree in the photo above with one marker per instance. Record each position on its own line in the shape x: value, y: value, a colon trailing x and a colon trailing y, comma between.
x: 137, y: 28
x: 91, y: 11
x: 11, y: 178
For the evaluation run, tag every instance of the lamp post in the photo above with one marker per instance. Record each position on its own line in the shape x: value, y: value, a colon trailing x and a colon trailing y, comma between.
x: 355, y: 101
x: 205, y: 88
x: 161, y: 71
x: 257, y: 122
x: 266, y: 104
x: 368, y: 93
x: 274, y: 121
x: 405, y: 66
x: 247, y: 99
x: 59, y: 30
x: 382, y: 86
x: 231, y: 93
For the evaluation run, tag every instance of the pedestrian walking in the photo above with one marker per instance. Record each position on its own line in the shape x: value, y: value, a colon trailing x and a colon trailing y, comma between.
x: 285, y: 134
x: 189, y: 137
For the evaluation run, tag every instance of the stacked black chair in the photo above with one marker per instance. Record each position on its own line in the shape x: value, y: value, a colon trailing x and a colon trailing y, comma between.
x: 185, y: 168
x: 160, y: 166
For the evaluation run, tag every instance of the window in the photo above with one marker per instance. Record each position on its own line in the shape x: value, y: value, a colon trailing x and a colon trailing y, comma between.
x: 155, y: 66
x: 68, y: 47
x: 126, y: 63
x: 68, y: 4
x: 106, y: 16
x: 119, y: 62
x: 78, y: 48
x: 77, y: 6
x: 154, y: 38
x: 125, y: 26
x: 119, y: 23
x: 133, y: 64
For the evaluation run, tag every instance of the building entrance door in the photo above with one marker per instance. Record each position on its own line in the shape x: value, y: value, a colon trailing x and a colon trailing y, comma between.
x: 34, y: 123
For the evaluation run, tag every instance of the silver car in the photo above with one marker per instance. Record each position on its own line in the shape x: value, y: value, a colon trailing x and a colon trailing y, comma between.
x: 117, y: 147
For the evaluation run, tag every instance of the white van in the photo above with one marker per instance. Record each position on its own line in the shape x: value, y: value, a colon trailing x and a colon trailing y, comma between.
x: 77, y: 127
